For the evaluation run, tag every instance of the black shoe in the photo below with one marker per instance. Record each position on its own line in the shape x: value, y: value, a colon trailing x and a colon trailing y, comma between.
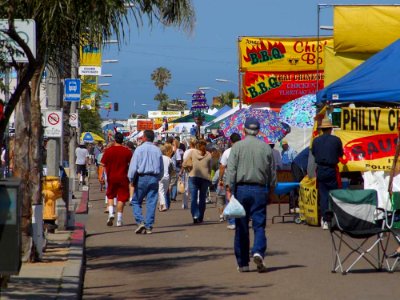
x: 195, y: 220
x: 395, y: 254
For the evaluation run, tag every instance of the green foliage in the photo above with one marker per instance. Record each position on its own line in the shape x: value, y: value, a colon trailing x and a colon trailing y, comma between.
x: 225, y: 99
x: 90, y: 120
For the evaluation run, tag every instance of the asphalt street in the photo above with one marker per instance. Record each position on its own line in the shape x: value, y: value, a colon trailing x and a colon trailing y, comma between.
x: 185, y: 261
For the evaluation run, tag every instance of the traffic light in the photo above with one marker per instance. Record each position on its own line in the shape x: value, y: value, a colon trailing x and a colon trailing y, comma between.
x: 116, y: 106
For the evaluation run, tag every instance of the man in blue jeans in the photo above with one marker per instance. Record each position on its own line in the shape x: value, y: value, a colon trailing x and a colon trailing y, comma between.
x: 251, y: 176
x: 145, y: 171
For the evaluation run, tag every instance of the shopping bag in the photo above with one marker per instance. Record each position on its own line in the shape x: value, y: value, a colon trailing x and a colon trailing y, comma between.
x: 234, y: 209
x: 181, y: 186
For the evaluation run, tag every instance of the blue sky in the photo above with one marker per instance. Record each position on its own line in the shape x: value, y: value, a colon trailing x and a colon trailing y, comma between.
x: 210, y: 52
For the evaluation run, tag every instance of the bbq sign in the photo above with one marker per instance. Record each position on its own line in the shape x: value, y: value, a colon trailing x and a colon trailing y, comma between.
x: 282, y: 54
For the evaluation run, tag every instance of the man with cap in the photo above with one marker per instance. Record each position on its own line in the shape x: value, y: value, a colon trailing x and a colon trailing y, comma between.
x: 327, y: 149
x: 288, y: 154
x: 251, y: 177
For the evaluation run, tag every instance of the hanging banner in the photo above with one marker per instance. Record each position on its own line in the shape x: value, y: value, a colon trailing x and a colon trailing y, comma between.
x: 89, y: 92
x: 90, y: 55
x: 282, y: 54
x: 145, y: 124
x: 339, y: 64
x: 278, y: 88
x: 370, y: 119
x: 365, y: 28
x: 367, y: 151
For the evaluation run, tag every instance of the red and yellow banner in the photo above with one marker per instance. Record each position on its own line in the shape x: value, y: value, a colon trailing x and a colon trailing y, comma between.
x: 278, y: 88
x: 145, y: 125
x: 367, y: 151
x: 282, y: 54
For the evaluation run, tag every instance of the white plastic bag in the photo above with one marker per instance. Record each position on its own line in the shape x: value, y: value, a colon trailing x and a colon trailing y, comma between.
x: 234, y: 209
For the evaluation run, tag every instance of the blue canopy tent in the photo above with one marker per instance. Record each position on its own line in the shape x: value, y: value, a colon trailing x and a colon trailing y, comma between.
x: 111, y: 126
x: 375, y: 80
x: 222, y: 111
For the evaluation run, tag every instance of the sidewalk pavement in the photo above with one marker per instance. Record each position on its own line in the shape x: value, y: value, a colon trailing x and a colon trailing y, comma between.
x: 60, y: 273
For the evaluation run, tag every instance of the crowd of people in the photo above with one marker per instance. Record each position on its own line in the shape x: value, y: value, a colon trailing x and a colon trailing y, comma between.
x: 151, y: 172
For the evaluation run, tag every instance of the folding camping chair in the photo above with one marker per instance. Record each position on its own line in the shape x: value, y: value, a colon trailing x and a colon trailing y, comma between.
x: 393, y: 225
x: 352, y: 223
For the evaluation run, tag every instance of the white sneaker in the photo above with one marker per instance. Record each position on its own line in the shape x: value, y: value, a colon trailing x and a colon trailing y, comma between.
x: 221, y: 218
x: 259, y: 261
x: 110, y: 220
x: 231, y: 227
x: 324, y: 224
x: 243, y: 269
x: 120, y: 223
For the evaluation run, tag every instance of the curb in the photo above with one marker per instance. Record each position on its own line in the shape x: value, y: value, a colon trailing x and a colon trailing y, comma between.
x: 72, y: 276
x: 71, y: 286
x: 83, y: 205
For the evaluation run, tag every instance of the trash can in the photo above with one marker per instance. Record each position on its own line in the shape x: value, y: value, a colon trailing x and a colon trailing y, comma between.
x: 10, y: 228
x: 51, y: 190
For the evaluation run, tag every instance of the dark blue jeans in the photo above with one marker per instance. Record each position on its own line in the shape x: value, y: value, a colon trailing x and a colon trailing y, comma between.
x: 326, y: 179
x: 198, y: 191
x: 254, y: 200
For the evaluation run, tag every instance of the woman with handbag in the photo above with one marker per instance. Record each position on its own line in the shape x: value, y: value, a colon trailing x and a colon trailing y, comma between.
x: 185, y: 174
x: 199, y: 179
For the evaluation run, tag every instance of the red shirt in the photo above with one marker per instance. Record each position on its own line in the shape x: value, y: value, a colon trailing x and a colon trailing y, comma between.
x: 116, y: 160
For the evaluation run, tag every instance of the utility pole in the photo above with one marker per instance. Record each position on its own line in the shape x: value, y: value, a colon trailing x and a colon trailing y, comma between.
x: 54, y: 103
x: 73, y: 134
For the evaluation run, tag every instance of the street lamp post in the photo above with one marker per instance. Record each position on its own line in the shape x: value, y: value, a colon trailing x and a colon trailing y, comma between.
x: 199, y: 107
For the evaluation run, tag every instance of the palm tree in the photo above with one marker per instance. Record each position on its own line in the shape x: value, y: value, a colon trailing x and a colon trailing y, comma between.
x: 61, y: 24
x: 161, y: 77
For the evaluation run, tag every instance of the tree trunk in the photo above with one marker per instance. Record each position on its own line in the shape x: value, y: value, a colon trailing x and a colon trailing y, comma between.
x: 22, y: 169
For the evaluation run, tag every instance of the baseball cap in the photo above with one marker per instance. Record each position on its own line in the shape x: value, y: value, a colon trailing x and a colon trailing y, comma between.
x: 285, y: 142
x: 252, y: 123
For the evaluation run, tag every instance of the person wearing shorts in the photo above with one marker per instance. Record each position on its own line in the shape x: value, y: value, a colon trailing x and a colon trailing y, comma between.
x: 82, y: 159
x: 116, y: 161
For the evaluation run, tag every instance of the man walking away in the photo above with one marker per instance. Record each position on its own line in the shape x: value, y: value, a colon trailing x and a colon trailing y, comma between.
x: 250, y: 177
x: 326, y: 149
x: 82, y: 160
x: 145, y: 171
x: 116, y: 162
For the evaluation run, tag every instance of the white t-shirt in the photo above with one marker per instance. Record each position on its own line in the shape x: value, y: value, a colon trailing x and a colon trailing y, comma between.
x: 81, y: 154
x: 224, y: 158
x: 166, y: 162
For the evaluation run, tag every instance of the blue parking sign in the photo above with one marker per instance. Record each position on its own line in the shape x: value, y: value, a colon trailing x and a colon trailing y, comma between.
x: 72, y: 90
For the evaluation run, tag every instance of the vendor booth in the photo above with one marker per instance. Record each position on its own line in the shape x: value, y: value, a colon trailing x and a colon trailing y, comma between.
x: 364, y: 104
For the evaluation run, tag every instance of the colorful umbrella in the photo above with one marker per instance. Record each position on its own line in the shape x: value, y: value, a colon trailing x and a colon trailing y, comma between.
x: 271, y: 131
x: 299, y: 112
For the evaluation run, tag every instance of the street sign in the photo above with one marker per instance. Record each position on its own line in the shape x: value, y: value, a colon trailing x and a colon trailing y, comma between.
x: 89, y: 70
x: 72, y: 90
x: 73, y: 120
x: 53, y: 123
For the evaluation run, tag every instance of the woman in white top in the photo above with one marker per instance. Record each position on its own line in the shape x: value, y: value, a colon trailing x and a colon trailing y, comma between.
x: 166, y: 150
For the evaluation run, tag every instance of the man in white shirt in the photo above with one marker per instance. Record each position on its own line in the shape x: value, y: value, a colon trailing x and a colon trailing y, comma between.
x: 223, y: 163
x: 82, y: 159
